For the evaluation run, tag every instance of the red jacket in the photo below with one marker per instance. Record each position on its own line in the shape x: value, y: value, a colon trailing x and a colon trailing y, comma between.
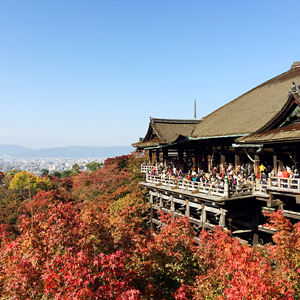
x: 285, y: 174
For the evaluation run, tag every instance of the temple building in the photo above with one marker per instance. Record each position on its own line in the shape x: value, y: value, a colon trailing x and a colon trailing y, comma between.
x: 263, y: 123
x: 261, y: 126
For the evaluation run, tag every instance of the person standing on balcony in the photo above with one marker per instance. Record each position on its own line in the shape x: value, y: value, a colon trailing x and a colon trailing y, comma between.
x: 268, y: 170
x: 272, y: 174
x: 174, y: 171
x: 261, y: 169
x: 264, y: 178
x: 285, y: 173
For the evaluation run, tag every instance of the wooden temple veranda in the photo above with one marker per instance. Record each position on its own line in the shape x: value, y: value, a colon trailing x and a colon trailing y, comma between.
x: 260, y: 126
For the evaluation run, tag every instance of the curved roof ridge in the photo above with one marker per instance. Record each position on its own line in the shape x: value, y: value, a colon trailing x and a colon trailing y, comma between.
x: 235, y: 99
x: 251, y: 110
x: 178, y: 121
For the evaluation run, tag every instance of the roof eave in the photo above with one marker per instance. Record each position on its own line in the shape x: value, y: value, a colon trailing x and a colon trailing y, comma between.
x: 216, y: 137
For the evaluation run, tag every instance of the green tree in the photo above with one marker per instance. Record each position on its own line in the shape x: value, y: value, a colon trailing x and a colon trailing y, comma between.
x: 45, y: 172
x: 75, y: 169
x: 12, y: 173
x: 66, y: 173
x: 93, y: 166
x: 56, y: 174
x: 28, y: 181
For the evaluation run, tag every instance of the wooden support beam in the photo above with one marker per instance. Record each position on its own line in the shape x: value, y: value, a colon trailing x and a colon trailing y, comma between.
x: 209, y: 159
x: 151, y: 217
x: 297, y: 157
x: 196, y: 191
x: 203, y: 216
x: 287, y: 213
x: 222, y: 217
x: 151, y: 197
x: 275, y: 160
x: 150, y: 157
x: 241, y: 231
x: 180, y: 156
x: 265, y: 229
x: 255, y: 223
x: 187, y: 209
x: 165, y: 156
x: 291, y: 214
x: 161, y: 201
x: 198, y: 157
x: 275, y: 203
x: 223, y: 159
x: 157, y: 155
x: 226, y: 187
x: 237, y: 159
x: 279, y: 162
x: 172, y: 205
x: 256, y: 164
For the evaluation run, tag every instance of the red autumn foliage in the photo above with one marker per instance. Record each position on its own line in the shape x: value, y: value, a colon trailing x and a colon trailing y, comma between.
x: 72, y: 245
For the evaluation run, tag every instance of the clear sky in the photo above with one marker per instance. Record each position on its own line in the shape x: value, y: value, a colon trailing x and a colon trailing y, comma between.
x: 92, y: 72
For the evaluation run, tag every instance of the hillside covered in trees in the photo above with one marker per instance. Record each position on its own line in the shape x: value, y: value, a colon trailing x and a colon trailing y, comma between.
x: 86, y: 237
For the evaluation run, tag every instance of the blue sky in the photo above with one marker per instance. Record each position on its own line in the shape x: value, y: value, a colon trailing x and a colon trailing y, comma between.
x: 91, y: 73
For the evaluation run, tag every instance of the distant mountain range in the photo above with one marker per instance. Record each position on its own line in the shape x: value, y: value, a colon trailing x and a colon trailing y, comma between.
x: 66, y: 152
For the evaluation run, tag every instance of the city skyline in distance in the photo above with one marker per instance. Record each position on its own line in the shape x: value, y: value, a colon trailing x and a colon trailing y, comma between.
x: 64, y: 152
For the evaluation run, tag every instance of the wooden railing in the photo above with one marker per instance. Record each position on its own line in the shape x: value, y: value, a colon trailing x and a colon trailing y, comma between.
x: 284, y: 184
x: 288, y: 185
x: 186, y: 185
x: 147, y: 169
x: 237, y: 190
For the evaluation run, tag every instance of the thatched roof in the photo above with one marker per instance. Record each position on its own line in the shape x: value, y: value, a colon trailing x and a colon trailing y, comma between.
x: 251, y: 111
x: 166, y: 131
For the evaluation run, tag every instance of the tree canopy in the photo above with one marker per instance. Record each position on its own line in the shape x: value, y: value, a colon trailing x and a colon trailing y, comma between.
x: 86, y: 237
x: 93, y: 166
x: 45, y: 172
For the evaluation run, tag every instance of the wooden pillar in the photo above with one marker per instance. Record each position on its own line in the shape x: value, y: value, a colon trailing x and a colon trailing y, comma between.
x: 204, y: 160
x: 161, y: 204
x: 180, y: 156
x: 275, y: 151
x: 150, y: 157
x: 187, y: 208
x: 297, y: 158
x: 279, y: 161
x: 203, y: 216
x: 223, y: 159
x: 222, y: 218
x: 198, y: 158
x: 157, y: 156
x: 237, y: 160
x: 165, y: 156
x: 209, y: 158
x: 226, y: 187
x: 172, y: 205
x: 187, y: 153
x: 151, y: 211
x: 255, y: 223
x: 256, y: 164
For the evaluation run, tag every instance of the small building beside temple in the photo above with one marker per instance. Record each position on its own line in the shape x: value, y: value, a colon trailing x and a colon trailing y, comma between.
x: 261, y: 126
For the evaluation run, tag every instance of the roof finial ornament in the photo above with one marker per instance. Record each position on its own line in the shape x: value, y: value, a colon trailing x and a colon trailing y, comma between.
x: 294, y: 88
x: 195, y: 109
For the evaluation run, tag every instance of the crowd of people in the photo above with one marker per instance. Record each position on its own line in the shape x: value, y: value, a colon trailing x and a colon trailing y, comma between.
x: 215, y: 177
